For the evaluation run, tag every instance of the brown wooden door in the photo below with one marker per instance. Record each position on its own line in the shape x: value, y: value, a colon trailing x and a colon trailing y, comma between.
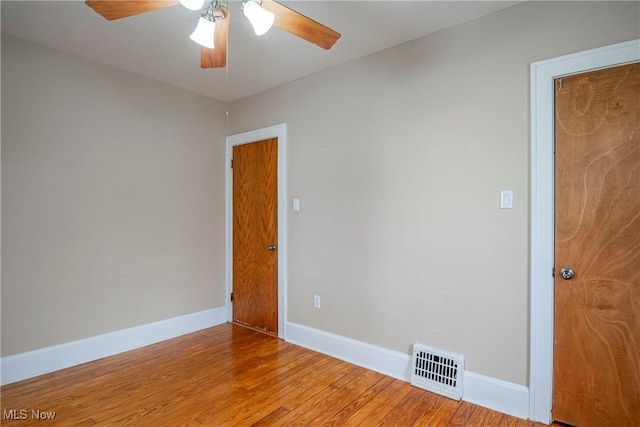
x: 255, y: 235
x: 597, y: 234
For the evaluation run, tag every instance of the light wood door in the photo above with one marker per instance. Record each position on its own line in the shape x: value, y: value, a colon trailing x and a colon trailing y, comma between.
x: 597, y: 235
x: 255, y: 235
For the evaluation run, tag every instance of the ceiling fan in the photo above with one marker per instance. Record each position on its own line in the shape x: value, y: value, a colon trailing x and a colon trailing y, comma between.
x: 213, y: 26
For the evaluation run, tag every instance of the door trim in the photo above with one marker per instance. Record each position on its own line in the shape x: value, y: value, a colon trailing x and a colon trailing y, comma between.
x: 277, y: 131
x: 542, y: 209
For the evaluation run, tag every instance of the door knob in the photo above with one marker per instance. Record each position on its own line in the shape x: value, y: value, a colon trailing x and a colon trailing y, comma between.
x: 566, y: 273
x: 272, y: 247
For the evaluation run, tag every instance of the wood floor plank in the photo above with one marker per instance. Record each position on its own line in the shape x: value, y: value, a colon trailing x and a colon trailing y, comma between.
x: 462, y: 415
x: 294, y: 388
x: 477, y: 417
x: 322, y: 406
x: 492, y: 419
x: 327, y: 372
x: 380, y: 405
x: 508, y: 421
x: 271, y: 418
x: 439, y: 414
x: 256, y: 407
x: 344, y: 417
x: 416, y: 403
x: 232, y: 376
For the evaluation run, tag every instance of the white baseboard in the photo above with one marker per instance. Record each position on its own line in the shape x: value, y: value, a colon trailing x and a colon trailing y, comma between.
x: 492, y: 393
x: 37, y: 362
x: 379, y: 359
x: 499, y: 395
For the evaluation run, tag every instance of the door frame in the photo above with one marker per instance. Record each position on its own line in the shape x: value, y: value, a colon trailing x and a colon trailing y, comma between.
x: 542, y: 212
x: 277, y: 131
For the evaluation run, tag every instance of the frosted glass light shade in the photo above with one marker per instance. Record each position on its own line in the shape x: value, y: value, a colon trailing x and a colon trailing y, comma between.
x: 192, y: 4
x: 204, y: 33
x: 260, y: 19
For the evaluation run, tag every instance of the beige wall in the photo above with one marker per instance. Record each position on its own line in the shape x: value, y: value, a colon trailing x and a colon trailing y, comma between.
x: 398, y: 160
x: 112, y: 199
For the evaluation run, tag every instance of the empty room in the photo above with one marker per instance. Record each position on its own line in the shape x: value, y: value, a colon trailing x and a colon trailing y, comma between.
x: 236, y: 213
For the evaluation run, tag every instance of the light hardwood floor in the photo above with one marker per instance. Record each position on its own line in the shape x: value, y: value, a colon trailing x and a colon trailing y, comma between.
x: 232, y: 376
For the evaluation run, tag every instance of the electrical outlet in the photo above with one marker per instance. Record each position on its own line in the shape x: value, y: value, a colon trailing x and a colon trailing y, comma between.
x: 316, y: 301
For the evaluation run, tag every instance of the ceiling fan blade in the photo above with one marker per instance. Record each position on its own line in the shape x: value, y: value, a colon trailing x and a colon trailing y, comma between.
x: 217, y: 57
x: 116, y: 9
x: 301, y: 26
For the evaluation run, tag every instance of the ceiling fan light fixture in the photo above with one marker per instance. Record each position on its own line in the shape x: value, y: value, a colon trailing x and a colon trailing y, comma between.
x: 204, y: 32
x: 261, y: 19
x: 192, y: 4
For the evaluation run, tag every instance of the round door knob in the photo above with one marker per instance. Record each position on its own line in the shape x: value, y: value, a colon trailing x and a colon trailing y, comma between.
x: 272, y: 247
x: 566, y: 273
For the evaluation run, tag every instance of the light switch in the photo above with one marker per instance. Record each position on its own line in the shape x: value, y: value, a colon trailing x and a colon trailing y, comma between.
x: 296, y: 204
x: 506, y: 199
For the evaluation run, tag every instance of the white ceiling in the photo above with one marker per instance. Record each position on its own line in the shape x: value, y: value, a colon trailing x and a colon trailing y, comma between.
x: 157, y: 44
